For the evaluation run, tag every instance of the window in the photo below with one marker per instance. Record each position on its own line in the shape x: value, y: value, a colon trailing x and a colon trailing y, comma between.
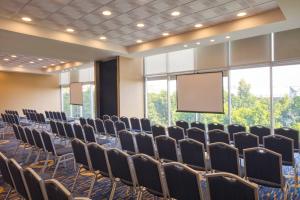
x: 156, y: 64
x: 181, y: 60
x: 286, y: 96
x: 64, y: 78
x: 250, y: 96
x: 88, y: 96
x: 65, y: 97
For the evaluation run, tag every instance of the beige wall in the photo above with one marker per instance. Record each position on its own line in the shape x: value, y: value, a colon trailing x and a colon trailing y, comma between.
x: 22, y: 90
x: 131, y: 87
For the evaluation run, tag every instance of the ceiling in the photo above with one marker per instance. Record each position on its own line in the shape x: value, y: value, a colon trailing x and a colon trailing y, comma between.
x: 86, y: 18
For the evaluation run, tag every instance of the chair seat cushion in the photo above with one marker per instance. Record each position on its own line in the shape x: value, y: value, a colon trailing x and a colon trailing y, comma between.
x: 63, y: 151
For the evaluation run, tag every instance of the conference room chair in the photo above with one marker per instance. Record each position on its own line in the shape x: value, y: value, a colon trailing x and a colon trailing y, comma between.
x: 82, y: 121
x: 100, y: 126
x: 260, y: 131
x: 126, y: 121
x: 158, y: 130
x: 110, y: 128
x: 224, y: 158
x: 114, y: 118
x: 30, y: 139
x: 290, y: 133
x: 51, y: 115
x: 148, y: 176
x: 176, y: 132
x: 6, y: 174
x: 83, y: 162
x: 244, y: 140
x: 197, y: 134
x: 18, y: 179
x: 120, y: 126
x: 91, y: 122
x: 264, y: 167
x: 23, y: 137
x: 182, y: 181
x: 120, y: 169
x: 59, y: 117
x: 284, y: 146
x: 213, y: 126
x: 35, y: 185
x: 193, y: 154
x: 89, y: 133
x: 55, y: 116
x: 61, y: 131
x: 197, y: 124
x: 127, y: 142
x: 79, y: 132
x: 55, y: 190
x: 53, y: 127
x: 217, y: 135
x: 64, y: 116
x: 135, y: 124
x: 69, y: 130
x: 183, y: 124
x: 145, y: 144
x: 146, y: 125
x: 105, y: 117
x: 222, y: 186
x: 166, y: 148
x: 18, y: 137
x: 39, y: 143
x: 235, y: 128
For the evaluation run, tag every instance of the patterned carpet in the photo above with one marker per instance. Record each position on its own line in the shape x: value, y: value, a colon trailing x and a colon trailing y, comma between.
x: 102, y: 187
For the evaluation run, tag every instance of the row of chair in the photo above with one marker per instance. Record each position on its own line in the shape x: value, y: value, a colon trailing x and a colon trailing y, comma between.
x: 29, y: 185
x: 25, y: 111
x: 36, y: 118
x: 61, y: 116
x: 12, y: 112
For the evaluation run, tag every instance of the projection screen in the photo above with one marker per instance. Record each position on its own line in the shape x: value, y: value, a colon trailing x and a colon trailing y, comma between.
x: 201, y: 92
x: 76, y: 94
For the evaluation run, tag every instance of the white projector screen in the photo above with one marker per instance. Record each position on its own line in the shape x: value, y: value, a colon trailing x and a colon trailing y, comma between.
x: 76, y: 94
x: 201, y: 92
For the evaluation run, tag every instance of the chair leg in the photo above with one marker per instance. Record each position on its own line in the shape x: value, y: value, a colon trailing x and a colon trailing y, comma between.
x: 37, y: 157
x: 29, y: 155
x: 17, y: 149
x: 56, y: 167
x: 8, y: 193
x: 77, y: 174
x: 113, y: 191
x: 46, y: 163
x: 92, y: 186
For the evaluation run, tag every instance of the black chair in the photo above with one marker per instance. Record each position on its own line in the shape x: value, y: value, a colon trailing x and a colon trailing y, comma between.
x: 100, y: 126
x: 217, y: 135
x: 158, y: 130
x: 166, y: 148
x: 244, y: 140
x: 145, y: 144
x: 264, y: 167
x: 82, y: 121
x: 199, y: 125
x: 120, y: 169
x: 135, y: 124
x: 114, y: 118
x: 105, y: 117
x: 148, y: 175
x: 110, y: 128
x: 31, y: 142
x: 126, y: 121
x: 79, y: 132
x: 61, y: 130
x: 197, y: 134
x: 18, y: 137
x: 39, y: 143
x: 47, y: 115
x: 213, y: 126
x: 224, y: 157
x: 91, y: 122
x: 229, y: 186
x: 183, y: 124
x: 69, y: 130
x: 6, y: 174
x: 235, y: 128
x: 64, y: 116
x: 193, y: 154
x: 182, y: 182
x: 146, y: 125
x: 53, y: 127
x: 89, y: 133
x: 127, y: 142
x: 59, y: 117
x: 290, y: 133
x: 35, y: 184
x: 55, y: 116
x: 51, y: 115
x: 120, y: 126
x: 260, y: 131
x: 176, y: 132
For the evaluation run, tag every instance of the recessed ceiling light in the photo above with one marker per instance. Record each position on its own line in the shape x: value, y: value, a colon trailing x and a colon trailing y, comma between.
x: 40, y: 59
x: 139, y: 41
x: 175, y: 13
x: 62, y: 62
x: 140, y: 25
x: 52, y: 64
x: 165, y: 34
x: 227, y: 37
x: 44, y: 67
x: 198, y: 25
x: 212, y: 40
x: 13, y: 56
x: 31, y: 62
x: 197, y: 43
x: 241, y: 14
x: 106, y: 12
x: 185, y: 46
x: 103, y: 38
x: 26, y: 19
x: 6, y: 59
x: 70, y: 30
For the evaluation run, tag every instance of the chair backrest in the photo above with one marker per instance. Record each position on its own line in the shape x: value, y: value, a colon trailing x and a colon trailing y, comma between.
x: 35, y: 184
x: 16, y: 119
x: 79, y: 132
x: 89, y: 133
x: 64, y: 116
x: 199, y: 125
x: 69, y: 130
x: 16, y: 173
x: 126, y: 121
x: 135, y: 124
x: 119, y: 165
x: 120, y: 126
x: 114, y: 118
x: 212, y: 126
x: 235, y: 128
x: 38, y: 139
x: 55, y: 190
x: 81, y: 153
x: 182, y: 181
x: 244, y: 140
x: 4, y: 170
x: 145, y: 144
x: 53, y: 127
x: 176, y: 132
x: 263, y: 167
x: 146, y: 125
x: 183, y: 124
x: 217, y: 135
x: 82, y: 121
x: 192, y: 153
x: 148, y: 174
x: 290, y: 133
x: 61, y: 129
x: 16, y: 132
x: 166, y: 148
x: 100, y: 126
x: 224, y: 157
x: 230, y: 186
x: 22, y: 134
x: 127, y: 141
x: 105, y: 117
x: 91, y: 122
x: 110, y: 127
x: 48, y: 142
x: 260, y: 131
x: 282, y: 145
x: 197, y: 134
x: 29, y: 136
x: 98, y: 158
x: 59, y: 117
x: 158, y: 130
x: 55, y: 115
x: 51, y: 115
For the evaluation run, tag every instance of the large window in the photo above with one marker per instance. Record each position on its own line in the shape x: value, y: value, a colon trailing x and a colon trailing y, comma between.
x: 65, y: 95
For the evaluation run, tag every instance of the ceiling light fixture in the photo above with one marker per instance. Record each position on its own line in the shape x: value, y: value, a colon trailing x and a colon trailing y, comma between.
x: 106, y: 13
x: 197, y: 43
x: 52, y: 64
x: 40, y: 59
x: 241, y: 14
x: 6, y: 59
x: 198, y: 25
x: 62, y: 62
x: 165, y: 34
x: 31, y: 62
x: 212, y: 40
x: 26, y: 19
x: 227, y: 37
x: 140, y: 25
x: 44, y: 67
x: 139, y: 41
x: 175, y: 13
x: 103, y: 38
x: 70, y: 30
x: 13, y: 56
